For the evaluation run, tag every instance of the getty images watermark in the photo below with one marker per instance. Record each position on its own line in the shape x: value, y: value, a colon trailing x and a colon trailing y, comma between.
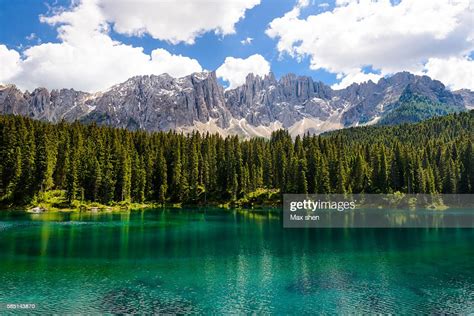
x: 378, y: 210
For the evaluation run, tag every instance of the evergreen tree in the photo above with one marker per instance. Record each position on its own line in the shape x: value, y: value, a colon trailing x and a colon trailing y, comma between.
x: 102, y: 164
x: 161, y: 175
x: 193, y: 172
x: 466, y: 184
x: 72, y: 185
x: 322, y: 176
x: 107, y: 185
x: 176, y: 176
x: 302, y: 183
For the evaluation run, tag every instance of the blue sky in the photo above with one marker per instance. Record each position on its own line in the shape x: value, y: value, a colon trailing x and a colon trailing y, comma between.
x: 210, y: 49
x: 334, y: 42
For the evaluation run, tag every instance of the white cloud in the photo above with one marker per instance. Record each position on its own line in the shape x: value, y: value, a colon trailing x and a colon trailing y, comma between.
x: 175, y: 65
x: 345, y: 2
x: 388, y: 37
x: 246, y: 41
x: 457, y: 73
x: 9, y: 65
x: 355, y: 76
x: 235, y: 70
x: 86, y: 57
x: 175, y: 21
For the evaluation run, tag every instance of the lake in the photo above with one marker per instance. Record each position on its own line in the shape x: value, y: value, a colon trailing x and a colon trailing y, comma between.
x: 224, y: 261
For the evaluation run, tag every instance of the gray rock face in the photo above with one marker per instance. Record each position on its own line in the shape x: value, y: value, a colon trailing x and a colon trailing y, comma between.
x: 261, y: 101
x: 467, y: 97
x: 197, y: 101
x: 44, y: 105
x: 161, y: 103
x: 372, y: 100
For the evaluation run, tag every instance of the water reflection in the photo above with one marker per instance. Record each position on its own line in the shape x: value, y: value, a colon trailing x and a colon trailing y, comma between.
x: 215, y: 261
x: 382, y: 218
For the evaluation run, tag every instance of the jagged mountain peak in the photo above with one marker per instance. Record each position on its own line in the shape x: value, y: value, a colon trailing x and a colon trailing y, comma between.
x: 252, y: 79
x: 256, y: 108
x: 204, y: 75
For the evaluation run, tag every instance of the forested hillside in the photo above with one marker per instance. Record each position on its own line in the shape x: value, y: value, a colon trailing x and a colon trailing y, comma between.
x: 104, y: 164
x: 413, y: 108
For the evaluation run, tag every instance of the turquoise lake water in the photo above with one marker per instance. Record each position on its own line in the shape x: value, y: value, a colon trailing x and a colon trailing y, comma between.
x: 214, y: 261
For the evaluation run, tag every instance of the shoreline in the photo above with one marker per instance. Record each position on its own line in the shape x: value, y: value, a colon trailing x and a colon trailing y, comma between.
x: 55, y: 201
x: 142, y: 207
x: 100, y: 208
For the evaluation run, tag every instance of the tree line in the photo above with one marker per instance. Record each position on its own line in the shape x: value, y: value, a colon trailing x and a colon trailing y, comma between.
x: 104, y: 164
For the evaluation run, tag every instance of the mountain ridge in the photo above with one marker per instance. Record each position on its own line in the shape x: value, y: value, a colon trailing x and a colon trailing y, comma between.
x: 256, y: 108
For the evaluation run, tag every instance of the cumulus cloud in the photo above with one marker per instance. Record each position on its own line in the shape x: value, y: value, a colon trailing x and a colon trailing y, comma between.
x: 458, y: 73
x: 356, y: 76
x: 10, y: 63
x: 235, y: 70
x: 175, y: 21
x: 388, y: 37
x: 86, y: 58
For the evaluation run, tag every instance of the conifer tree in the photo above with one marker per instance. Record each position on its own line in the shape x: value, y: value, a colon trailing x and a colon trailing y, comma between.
x: 193, y: 172
x: 72, y: 185
x: 466, y: 183
x: 107, y: 185
x: 322, y: 176
x: 161, y: 181
x: 103, y: 164
x: 301, y: 181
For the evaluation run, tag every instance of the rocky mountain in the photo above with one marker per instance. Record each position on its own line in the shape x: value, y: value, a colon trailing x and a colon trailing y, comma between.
x: 162, y: 103
x: 260, y: 106
x: 46, y: 105
x: 467, y: 97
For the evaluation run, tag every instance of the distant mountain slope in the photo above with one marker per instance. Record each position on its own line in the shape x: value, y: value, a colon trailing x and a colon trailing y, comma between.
x: 441, y: 129
x: 260, y: 106
x: 412, y: 107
